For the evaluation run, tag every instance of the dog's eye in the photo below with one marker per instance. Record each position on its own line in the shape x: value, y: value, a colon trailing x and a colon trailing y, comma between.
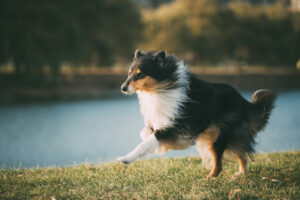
x: 139, y: 75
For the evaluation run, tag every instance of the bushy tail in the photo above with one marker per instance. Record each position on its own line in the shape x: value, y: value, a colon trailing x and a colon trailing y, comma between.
x: 263, y: 101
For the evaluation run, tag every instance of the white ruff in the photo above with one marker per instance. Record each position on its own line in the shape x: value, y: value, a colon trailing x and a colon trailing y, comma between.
x: 161, y: 107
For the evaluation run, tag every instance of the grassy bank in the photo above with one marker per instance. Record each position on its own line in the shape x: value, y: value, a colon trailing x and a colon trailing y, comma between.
x: 270, y: 176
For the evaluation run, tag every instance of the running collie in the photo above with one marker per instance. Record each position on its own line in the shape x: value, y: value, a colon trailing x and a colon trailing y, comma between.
x: 181, y: 110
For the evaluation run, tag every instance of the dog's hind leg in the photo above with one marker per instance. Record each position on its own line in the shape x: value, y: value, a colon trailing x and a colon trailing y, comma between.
x: 217, y: 150
x: 242, y: 159
x: 217, y: 162
x: 211, y: 143
x: 205, y: 142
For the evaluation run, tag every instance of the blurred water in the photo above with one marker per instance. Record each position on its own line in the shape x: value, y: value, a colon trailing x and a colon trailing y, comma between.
x: 100, y: 130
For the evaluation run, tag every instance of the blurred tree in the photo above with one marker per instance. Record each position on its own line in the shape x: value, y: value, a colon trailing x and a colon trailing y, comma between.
x: 153, y: 3
x: 35, y: 34
x: 265, y: 34
x: 203, y: 19
x: 213, y: 32
x: 165, y: 29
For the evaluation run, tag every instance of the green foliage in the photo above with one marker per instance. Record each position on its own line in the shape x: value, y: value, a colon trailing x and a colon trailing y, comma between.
x: 35, y: 34
x: 270, y: 176
x: 208, y: 31
x: 38, y: 37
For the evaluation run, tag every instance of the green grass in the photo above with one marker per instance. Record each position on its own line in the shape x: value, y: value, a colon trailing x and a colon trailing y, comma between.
x: 270, y: 176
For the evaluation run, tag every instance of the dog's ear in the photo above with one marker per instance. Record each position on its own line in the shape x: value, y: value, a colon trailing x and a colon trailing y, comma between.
x: 159, y: 57
x: 137, y: 54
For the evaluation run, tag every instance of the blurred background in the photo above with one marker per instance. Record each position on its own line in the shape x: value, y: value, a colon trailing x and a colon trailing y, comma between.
x: 62, y: 63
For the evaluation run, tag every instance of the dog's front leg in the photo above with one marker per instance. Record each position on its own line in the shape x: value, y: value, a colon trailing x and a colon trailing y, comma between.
x: 146, y: 132
x: 148, y: 146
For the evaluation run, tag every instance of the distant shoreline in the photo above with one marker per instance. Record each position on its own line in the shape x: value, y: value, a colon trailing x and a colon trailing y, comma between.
x: 106, y: 85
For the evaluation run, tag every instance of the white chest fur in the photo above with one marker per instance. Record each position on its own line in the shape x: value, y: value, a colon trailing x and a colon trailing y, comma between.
x: 159, y: 109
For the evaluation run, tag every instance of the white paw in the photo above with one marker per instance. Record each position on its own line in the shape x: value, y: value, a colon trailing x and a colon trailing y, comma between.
x: 124, y: 160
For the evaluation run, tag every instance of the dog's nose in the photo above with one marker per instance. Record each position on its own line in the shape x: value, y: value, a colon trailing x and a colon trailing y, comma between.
x: 124, y: 88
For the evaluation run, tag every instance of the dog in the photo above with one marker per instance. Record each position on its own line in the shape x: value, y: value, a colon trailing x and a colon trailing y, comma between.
x: 181, y: 110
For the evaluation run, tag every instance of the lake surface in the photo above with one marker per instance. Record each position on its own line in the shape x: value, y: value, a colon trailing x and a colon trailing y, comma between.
x: 66, y: 133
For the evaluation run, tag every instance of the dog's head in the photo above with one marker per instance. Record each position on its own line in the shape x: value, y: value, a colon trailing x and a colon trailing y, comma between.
x: 146, y: 72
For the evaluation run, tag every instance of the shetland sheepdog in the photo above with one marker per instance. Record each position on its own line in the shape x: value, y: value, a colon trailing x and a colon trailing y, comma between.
x: 180, y: 110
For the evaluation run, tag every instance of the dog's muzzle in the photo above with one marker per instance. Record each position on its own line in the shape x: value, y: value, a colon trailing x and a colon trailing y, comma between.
x: 126, y: 88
